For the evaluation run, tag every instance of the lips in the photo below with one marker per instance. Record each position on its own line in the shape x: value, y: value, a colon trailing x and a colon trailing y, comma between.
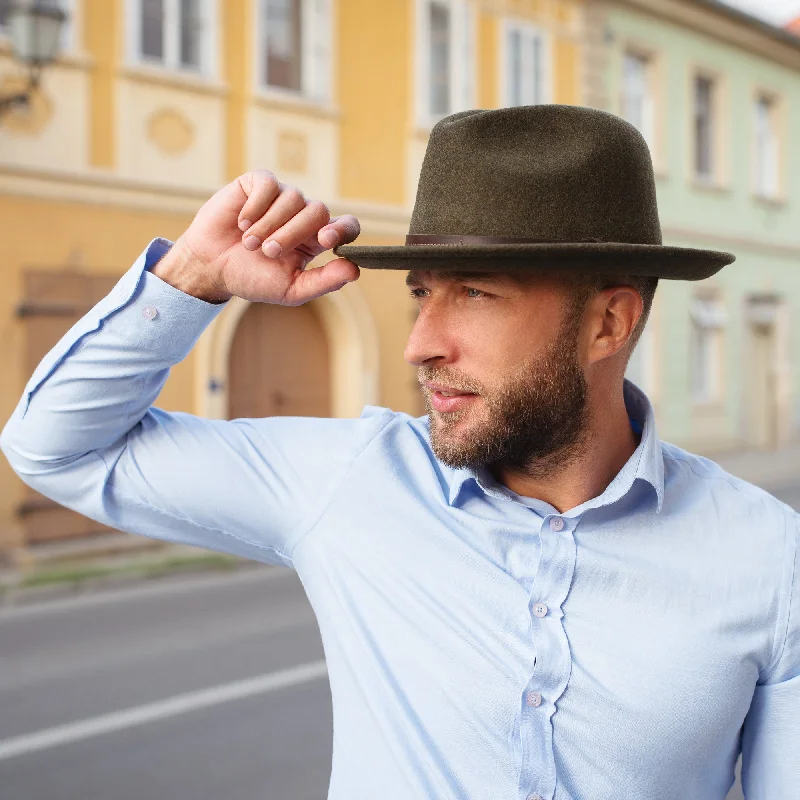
x: 446, y: 399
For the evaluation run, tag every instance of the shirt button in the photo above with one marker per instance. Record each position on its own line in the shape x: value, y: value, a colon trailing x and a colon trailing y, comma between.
x: 540, y: 609
x: 556, y: 523
x: 149, y: 312
x: 533, y: 699
x: 535, y: 796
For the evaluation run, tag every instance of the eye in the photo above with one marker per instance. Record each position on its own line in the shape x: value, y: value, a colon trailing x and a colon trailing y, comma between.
x: 478, y: 292
x: 414, y: 293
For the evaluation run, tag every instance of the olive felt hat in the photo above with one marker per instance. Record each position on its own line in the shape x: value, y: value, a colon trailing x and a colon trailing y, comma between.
x: 535, y: 187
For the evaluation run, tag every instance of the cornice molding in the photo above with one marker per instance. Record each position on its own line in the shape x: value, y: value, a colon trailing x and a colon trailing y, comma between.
x: 725, y: 240
x: 726, y: 24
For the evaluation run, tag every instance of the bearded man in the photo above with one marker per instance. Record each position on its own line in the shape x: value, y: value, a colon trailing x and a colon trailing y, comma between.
x: 523, y: 593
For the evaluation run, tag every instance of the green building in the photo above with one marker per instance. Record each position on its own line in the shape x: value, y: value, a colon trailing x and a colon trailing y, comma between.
x: 716, y: 93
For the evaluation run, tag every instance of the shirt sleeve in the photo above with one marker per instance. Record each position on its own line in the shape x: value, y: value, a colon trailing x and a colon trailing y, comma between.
x: 86, y: 435
x: 771, y: 731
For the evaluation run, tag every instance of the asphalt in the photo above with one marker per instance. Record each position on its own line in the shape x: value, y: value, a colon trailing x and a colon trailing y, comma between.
x: 65, y: 663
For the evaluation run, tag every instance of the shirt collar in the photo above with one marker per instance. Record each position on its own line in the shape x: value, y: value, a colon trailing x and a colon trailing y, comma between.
x: 646, y: 462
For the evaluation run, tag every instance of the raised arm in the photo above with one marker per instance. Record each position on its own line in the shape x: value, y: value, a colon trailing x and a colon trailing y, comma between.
x: 85, y: 433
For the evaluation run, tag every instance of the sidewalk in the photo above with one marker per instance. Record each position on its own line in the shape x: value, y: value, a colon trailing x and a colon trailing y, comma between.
x: 64, y: 569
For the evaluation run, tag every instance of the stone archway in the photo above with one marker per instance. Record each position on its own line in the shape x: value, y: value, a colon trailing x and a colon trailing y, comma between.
x: 352, y: 347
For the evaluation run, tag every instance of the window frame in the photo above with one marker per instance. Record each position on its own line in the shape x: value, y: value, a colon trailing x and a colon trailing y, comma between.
x: 463, y: 71
x: 208, y: 67
x: 528, y: 29
x: 776, y: 102
x: 713, y: 334
x: 314, y: 89
x: 650, y: 60
x: 718, y: 179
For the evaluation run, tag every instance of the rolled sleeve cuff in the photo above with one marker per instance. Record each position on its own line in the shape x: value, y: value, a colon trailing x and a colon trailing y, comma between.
x: 147, y: 312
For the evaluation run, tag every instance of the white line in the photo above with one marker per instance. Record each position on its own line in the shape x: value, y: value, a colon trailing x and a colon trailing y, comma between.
x: 161, y: 709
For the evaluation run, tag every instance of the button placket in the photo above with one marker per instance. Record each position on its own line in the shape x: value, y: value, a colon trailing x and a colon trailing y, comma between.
x: 553, y: 664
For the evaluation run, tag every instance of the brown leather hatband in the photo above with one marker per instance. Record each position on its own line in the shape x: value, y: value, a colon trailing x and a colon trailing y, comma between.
x: 455, y: 241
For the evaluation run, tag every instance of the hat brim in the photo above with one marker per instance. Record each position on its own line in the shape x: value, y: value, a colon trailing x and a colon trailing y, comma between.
x: 661, y: 261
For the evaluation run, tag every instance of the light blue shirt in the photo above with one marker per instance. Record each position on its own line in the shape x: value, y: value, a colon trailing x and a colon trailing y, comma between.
x: 479, y: 644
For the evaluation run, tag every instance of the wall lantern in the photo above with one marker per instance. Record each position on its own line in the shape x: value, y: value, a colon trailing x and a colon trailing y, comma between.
x: 34, y: 30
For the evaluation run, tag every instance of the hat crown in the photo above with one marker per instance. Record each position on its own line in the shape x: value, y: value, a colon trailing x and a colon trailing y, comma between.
x: 551, y: 173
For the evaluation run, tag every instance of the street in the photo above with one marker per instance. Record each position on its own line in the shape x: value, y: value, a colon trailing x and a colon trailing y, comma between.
x: 74, y: 661
x: 190, y: 688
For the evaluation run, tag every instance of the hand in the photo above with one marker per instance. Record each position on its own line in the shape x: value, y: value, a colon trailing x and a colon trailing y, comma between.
x: 253, y: 239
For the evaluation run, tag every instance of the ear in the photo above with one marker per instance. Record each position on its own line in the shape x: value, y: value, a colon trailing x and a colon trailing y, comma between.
x: 612, y: 316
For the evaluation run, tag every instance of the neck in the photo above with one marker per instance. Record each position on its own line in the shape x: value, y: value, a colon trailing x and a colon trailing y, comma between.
x: 572, y: 478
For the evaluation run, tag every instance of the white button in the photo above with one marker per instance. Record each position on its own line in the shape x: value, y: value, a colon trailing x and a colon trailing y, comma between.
x: 149, y: 312
x: 540, y: 609
x: 533, y: 699
x: 535, y: 796
x: 556, y: 523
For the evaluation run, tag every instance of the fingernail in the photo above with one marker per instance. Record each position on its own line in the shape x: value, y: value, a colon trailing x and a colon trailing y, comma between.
x: 252, y: 242
x: 244, y: 224
x: 330, y: 238
x: 271, y: 249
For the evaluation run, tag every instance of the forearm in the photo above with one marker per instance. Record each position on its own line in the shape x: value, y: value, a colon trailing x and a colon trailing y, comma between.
x: 103, y: 375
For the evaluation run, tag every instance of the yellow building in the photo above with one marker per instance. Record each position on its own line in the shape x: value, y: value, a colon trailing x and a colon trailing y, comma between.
x: 157, y: 103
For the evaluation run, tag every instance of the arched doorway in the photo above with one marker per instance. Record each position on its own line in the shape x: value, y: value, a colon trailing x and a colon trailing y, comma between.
x: 279, y: 363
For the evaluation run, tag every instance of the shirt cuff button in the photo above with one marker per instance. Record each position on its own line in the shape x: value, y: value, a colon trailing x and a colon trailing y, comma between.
x: 149, y: 312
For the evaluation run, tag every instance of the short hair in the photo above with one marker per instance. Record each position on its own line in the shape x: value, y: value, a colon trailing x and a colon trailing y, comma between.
x: 587, y: 285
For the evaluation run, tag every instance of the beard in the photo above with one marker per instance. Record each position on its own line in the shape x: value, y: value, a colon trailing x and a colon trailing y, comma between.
x: 533, y: 424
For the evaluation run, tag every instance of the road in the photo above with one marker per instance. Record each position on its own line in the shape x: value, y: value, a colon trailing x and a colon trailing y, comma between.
x: 194, y: 688
x: 68, y: 662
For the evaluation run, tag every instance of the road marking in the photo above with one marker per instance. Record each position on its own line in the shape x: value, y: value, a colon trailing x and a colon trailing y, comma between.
x: 161, y: 709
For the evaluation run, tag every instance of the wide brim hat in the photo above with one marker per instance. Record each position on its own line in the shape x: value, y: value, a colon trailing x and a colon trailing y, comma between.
x: 545, y: 187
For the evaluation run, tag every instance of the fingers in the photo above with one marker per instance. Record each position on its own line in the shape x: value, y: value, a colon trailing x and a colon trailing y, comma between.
x: 341, y: 230
x: 261, y: 188
x: 278, y: 218
x: 312, y: 283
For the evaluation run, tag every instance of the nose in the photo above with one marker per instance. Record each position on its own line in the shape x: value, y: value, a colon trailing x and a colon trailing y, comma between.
x: 428, y: 341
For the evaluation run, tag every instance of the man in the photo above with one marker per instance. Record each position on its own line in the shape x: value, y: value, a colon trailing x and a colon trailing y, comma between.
x: 525, y: 594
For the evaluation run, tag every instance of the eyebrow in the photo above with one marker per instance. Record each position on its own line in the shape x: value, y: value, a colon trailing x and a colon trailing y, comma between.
x: 465, y: 276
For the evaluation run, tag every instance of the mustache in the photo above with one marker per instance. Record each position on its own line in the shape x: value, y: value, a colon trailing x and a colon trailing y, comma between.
x: 448, y: 377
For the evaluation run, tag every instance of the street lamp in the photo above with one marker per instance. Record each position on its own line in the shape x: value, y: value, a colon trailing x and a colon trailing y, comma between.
x: 35, y: 32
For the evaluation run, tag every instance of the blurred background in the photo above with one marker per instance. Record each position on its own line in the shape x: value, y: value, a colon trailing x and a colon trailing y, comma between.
x: 119, y: 118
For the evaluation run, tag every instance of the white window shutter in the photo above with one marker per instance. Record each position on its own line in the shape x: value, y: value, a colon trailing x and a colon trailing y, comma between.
x: 468, y: 88
x: 318, y: 50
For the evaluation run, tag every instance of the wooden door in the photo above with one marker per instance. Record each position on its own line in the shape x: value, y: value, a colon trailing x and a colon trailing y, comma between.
x: 279, y: 364
x: 53, y: 302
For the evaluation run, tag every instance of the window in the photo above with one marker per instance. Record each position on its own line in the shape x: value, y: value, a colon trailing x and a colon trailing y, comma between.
x: 637, y: 95
x: 446, y: 58
x: 173, y: 33
x: 523, y: 49
x: 708, y: 321
x: 765, y: 163
x: 704, y: 133
x: 294, y: 47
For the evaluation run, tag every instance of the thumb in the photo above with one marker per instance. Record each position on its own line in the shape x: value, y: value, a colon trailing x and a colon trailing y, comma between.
x: 312, y: 283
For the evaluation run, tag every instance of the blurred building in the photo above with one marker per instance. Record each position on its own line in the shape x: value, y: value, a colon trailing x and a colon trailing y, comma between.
x: 716, y: 93
x: 157, y: 103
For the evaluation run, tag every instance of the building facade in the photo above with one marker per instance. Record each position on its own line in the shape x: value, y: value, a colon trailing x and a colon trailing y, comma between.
x: 716, y: 93
x: 157, y: 103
